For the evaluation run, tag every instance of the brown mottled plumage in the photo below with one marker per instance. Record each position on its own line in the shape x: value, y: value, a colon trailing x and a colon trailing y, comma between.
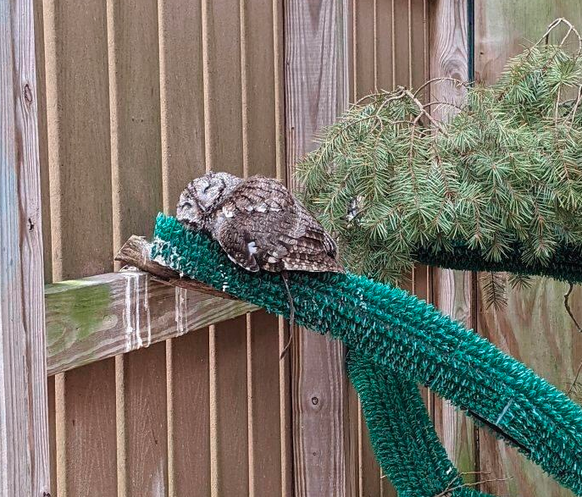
x: 258, y: 223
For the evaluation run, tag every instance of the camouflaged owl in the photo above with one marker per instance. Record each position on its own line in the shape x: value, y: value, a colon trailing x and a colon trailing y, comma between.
x: 258, y: 223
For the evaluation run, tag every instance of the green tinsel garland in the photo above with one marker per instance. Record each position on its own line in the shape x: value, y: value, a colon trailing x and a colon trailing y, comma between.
x: 566, y: 263
x: 411, y: 340
x: 403, y: 437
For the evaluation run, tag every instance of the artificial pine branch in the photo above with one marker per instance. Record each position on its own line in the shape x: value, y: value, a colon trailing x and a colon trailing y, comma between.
x: 502, y: 179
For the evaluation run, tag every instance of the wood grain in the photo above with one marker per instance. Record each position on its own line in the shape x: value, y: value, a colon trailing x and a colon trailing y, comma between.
x: 265, y: 430
x: 182, y: 96
x: 24, y: 438
x: 144, y: 385
x: 385, y: 44
x: 134, y: 93
x: 190, y: 413
x: 229, y: 408
x: 86, y: 439
x: 534, y: 327
x: 77, y: 101
x: 94, y: 318
x: 454, y: 290
x: 316, y: 92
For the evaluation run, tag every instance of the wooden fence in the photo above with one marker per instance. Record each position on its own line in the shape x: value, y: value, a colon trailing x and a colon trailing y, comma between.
x: 156, y: 391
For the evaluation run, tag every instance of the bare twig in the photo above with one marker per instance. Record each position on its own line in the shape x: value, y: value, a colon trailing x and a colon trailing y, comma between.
x: 457, y: 82
x: 554, y: 25
x: 136, y: 252
x: 452, y: 486
x: 568, y: 308
x: 573, y: 385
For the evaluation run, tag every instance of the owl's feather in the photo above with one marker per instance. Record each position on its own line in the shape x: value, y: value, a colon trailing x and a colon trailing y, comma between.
x: 260, y: 225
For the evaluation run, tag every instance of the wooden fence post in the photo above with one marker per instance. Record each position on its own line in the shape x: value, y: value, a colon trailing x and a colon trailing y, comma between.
x: 24, y: 465
x: 454, y: 290
x: 316, y: 91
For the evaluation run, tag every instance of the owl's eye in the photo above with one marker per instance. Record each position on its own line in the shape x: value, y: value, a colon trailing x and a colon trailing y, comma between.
x: 205, y: 189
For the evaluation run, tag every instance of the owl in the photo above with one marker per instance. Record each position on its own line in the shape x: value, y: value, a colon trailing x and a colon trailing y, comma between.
x: 258, y: 223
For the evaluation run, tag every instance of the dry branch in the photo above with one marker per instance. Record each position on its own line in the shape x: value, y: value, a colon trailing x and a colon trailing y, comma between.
x: 136, y: 252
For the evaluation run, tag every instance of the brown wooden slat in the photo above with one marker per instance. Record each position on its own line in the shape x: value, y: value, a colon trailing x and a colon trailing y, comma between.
x: 52, y: 435
x: 384, y: 44
x: 401, y: 43
x: 265, y: 468
x: 259, y: 75
x: 370, y: 484
x: 222, y: 85
x: 228, y: 368
x: 43, y: 139
x: 135, y: 117
x: 182, y: 96
x: 144, y: 386
x: 418, y: 42
x: 316, y: 91
x: 352, y: 444
x: 364, y: 76
x: 80, y: 193
x: 190, y: 414
x: 78, y: 137
x: 86, y: 436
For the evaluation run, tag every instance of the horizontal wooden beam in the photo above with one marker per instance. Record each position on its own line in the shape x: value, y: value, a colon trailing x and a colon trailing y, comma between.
x: 94, y: 318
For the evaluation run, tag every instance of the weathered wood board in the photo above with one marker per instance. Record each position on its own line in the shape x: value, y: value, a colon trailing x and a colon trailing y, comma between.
x: 316, y: 89
x: 24, y: 430
x: 99, y: 317
x: 534, y: 327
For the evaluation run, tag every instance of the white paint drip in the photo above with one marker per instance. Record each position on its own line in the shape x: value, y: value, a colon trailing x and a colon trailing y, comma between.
x: 131, y: 311
x: 146, y: 306
x: 180, y: 310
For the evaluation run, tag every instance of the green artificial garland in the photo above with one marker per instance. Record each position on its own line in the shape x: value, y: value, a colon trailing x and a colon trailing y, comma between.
x: 393, y: 332
x: 403, y: 437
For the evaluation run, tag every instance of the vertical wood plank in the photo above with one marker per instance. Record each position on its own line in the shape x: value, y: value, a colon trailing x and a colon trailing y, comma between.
x: 135, y: 117
x: 136, y: 160
x: 77, y: 86
x: 144, y: 383
x: 454, y: 289
x: 364, y: 75
x: 265, y: 430
x: 222, y: 84
x: 402, y: 47
x: 229, y: 421
x: 190, y: 414
x: 43, y: 139
x: 85, y: 417
x: 182, y: 96
x: 24, y: 439
x: 78, y: 137
x: 316, y: 91
x: 52, y: 435
x: 385, y: 44
x: 534, y: 327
